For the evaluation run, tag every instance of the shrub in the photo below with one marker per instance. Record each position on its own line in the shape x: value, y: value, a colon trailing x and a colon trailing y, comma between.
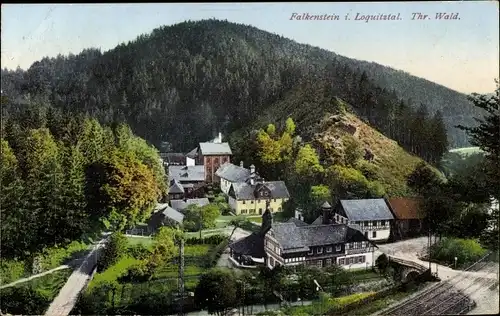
x: 139, y: 251
x: 53, y: 257
x: 215, y: 254
x: 467, y: 251
x: 23, y: 300
x: 210, y: 240
x: 11, y: 270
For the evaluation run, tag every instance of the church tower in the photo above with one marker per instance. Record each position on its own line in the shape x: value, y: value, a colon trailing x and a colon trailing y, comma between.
x: 267, y: 219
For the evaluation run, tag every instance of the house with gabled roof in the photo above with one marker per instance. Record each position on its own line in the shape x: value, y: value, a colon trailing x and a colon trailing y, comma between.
x: 250, y: 197
x: 181, y: 205
x: 212, y: 156
x: 188, y: 179
x: 409, y: 217
x: 229, y: 173
x: 373, y: 216
x: 164, y: 215
x: 296, y: 243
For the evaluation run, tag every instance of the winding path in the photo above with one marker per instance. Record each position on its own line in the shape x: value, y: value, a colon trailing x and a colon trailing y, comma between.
x: 34, y: 276
x: 68, y: 295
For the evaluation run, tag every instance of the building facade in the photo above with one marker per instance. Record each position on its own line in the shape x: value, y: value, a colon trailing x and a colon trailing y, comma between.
x: 229, y: 174
x: 251, y: 197
x: 296, y: 243
x: 212, y: 156
x: 409, y: 217
x: 372, y: 216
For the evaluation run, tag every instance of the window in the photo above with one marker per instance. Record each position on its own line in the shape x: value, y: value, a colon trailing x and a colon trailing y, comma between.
x: 216, y: 160
x: 341, y: 261
x: 329, y: 249
x: 319, y: 250
x: 208, y: 159
x: 374, y: 235
x: 243, y: 211
x: 310, y: 251
x: 274, y: 200
x: 319, y: 263
x: 279, y: 209
x: 338, y: 247
x: 348, y: 246
x: 251, y: 202
x: 243, y: 202
x: 382, y: 223
x: 328, y: 262
x: 258, y: 201
x: 374, y: 223
x: 260, y: 210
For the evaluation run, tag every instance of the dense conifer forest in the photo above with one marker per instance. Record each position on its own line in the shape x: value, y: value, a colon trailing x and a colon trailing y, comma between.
x: 185, y: 81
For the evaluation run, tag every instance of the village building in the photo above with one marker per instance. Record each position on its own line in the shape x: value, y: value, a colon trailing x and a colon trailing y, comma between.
x: 181, y: 205
x: 229, y: 173
x: 296, y: 243
x: 164, y: 215
x: 250, y: 197
x: 409, y: 217
x: 173, y: 159
x: 373, y: 216
x: 187, y: 179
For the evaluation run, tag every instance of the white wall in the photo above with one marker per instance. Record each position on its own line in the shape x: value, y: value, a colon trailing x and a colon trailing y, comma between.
x: 232, y: 203
x: 298, y: 215
x: 368, y: 261
x: 190, y: 161
x: 382, y: 235
x: 225, y: 185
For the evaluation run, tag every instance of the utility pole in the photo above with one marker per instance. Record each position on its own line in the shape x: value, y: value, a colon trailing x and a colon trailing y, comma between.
x: 181, y: 275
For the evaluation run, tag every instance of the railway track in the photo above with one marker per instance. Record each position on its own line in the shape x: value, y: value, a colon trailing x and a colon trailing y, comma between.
x: 446, y: 297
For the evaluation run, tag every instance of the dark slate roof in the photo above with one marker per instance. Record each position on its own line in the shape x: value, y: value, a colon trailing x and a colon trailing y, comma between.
x: 186, y: 173
x: 326, y: 205
x: 174, y: 158
x: 193, y: 153
x: 318, y: 221
x: 295, y: 238
x: 246, y: 191
x: 407, y: 208
x: 366, y: 209
x: 175, y: 187
x: 296, y: 221
x: 182, y: 205
x: 169, y: 212
x: 215, y: 149
x: 252, y: 245
x: 233, y: 173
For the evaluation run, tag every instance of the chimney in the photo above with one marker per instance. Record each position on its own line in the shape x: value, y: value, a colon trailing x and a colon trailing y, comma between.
x: 241, y: 164
x: 220, y: 137
x: 252, y: 180
x: 252, y: 169
x: 326, y: 209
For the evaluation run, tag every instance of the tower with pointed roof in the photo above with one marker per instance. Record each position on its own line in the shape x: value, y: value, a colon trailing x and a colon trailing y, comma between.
x: 267, y: 219
x: 326, y: 210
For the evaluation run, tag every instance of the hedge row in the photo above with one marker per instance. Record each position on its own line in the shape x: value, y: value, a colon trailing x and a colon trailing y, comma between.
x: 210, y: 240
x: 216, y: 253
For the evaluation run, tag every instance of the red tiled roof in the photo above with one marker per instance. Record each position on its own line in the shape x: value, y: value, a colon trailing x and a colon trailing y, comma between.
x: 407, y: 208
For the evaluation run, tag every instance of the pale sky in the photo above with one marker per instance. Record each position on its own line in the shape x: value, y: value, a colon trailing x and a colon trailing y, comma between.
x: 460, y: 54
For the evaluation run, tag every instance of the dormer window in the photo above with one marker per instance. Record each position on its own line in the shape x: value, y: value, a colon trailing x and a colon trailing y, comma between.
x: 329, y: 249
x: 320, y: 250
x: 338, y: 248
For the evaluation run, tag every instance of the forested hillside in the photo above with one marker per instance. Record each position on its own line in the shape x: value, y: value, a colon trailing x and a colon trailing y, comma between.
x: 64, y: 176
x: 185, y: 81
